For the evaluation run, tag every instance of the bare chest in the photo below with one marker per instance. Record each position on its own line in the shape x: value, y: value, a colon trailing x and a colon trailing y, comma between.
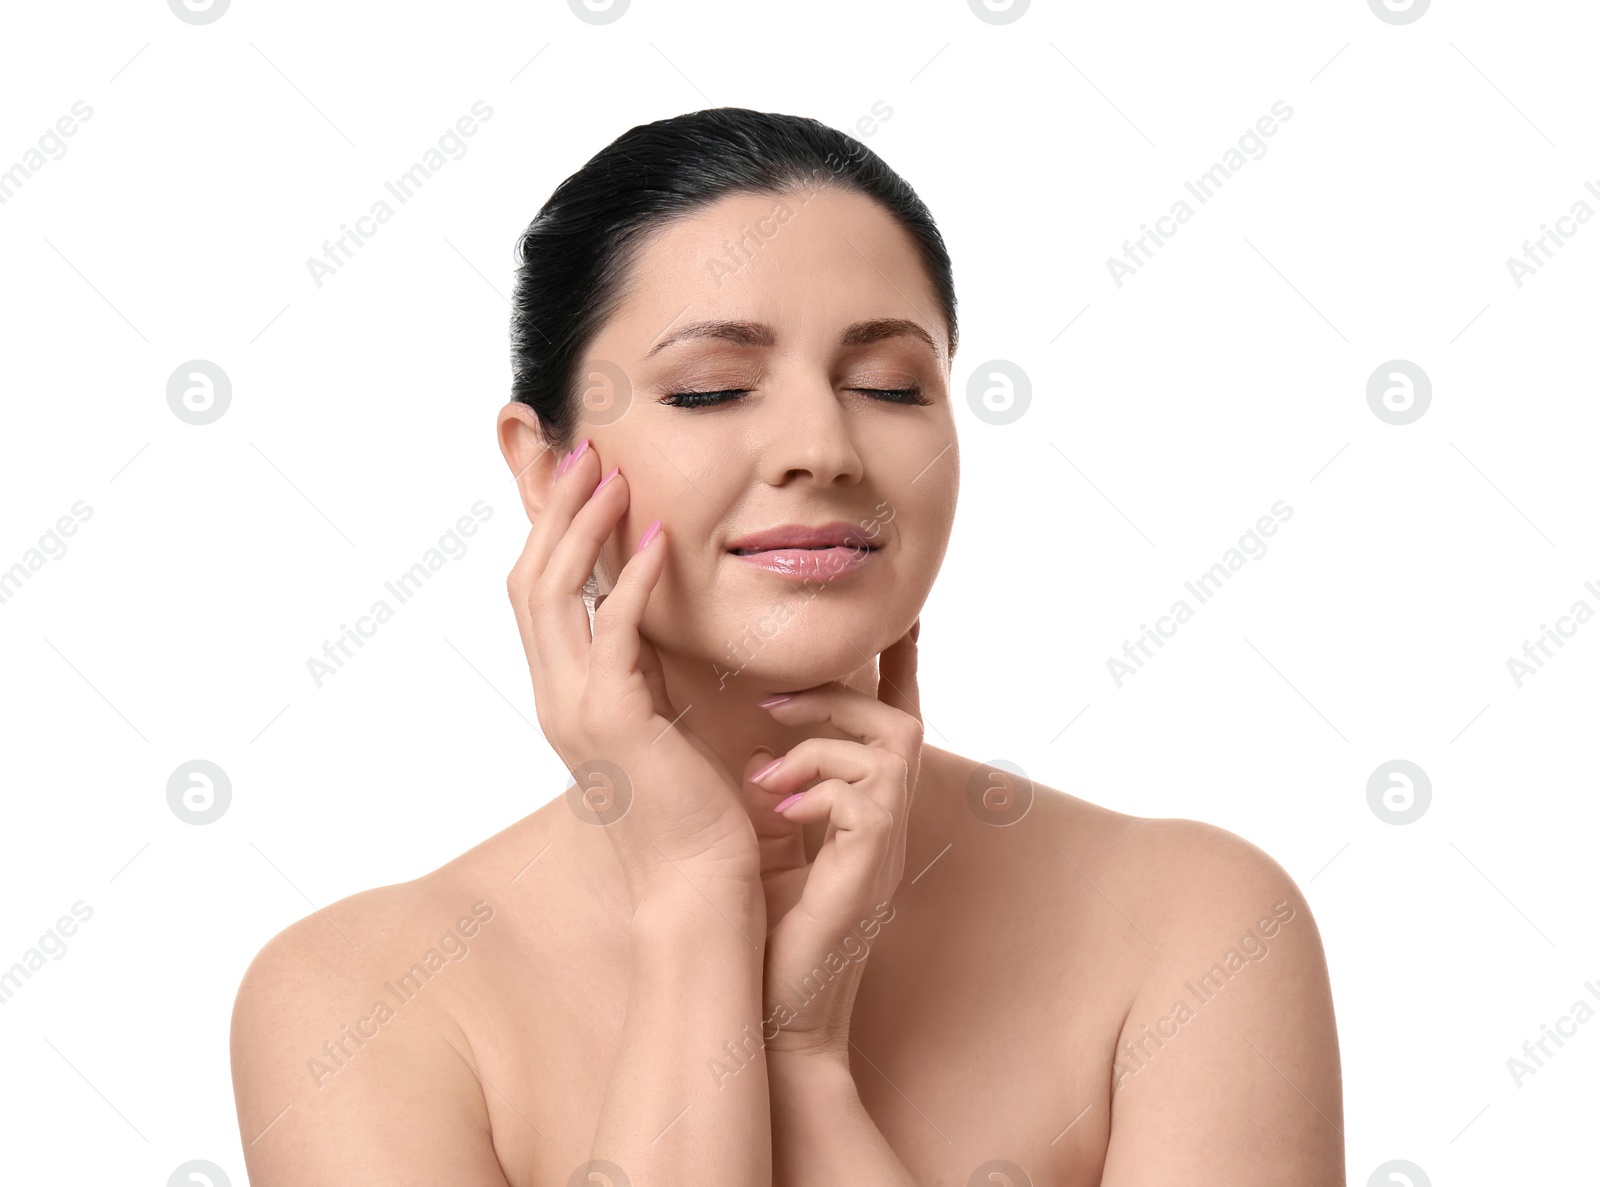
x: 978, y: 1047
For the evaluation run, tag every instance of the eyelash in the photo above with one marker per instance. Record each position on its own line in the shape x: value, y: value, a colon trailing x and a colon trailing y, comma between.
x: 909, y: 395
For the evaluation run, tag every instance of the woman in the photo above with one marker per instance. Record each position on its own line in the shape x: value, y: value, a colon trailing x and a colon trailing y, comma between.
x: 662, y: 977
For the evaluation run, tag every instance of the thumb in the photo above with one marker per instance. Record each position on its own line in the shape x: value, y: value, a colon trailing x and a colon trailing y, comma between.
x: 781, y: 842
x: 759, y: 757
x: 897, y: 673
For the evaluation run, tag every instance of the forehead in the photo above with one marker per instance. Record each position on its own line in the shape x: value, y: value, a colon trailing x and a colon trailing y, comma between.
x: 821, y: 259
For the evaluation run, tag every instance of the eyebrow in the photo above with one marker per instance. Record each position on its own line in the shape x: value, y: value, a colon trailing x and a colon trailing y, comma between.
x: 746, y: 333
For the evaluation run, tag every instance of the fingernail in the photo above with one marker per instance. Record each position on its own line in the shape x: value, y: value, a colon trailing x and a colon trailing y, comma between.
x: 655, y: 527
x: 604, y: 480
x: 765, y: 771
x: 784, y: 803
x: 566, y: 462
x: 771, y: 701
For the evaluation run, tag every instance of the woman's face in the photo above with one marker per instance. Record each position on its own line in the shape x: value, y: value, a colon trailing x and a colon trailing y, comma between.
x: 814, y: 320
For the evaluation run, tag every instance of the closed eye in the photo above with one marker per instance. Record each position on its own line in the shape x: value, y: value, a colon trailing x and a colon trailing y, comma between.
x: 897, y: 395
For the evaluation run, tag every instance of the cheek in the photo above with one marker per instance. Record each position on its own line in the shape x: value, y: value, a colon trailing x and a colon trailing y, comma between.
x: 924, y: 525
x: 924, y: 512
x: 943, y: 509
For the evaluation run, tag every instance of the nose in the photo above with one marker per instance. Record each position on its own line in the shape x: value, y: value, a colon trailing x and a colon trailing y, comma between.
x: 810, y: 437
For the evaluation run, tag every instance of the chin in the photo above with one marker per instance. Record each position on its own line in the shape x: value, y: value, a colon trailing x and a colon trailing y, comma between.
x: 793, y: 660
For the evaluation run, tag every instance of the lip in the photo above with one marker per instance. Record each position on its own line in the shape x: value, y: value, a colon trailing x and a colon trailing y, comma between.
x: 809, y: 564
x: 823, y: 552
x: 837, y: 534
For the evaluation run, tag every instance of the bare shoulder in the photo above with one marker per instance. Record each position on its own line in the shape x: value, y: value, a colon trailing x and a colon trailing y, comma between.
x: 348, y: 1061
x: 1204, y: 873
x: 1227, y: 1063
x: 1181, y: 878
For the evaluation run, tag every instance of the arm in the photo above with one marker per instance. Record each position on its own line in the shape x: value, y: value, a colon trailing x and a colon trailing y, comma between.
x: 821, y: 1133
x: 403, y: 1108
x: 679, y: 1108
x: 685, y: 1103
x: 1227, y: 1066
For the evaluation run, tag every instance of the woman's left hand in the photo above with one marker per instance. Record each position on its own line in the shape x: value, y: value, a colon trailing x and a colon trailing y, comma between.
x: 827, y: 912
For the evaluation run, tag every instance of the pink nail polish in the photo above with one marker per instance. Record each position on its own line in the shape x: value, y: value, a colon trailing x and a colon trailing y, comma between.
x: 765, y: 771
x: 604, y: 480
x: 784, y: 803
x: 566, y: 462
x: 650, y: 535
x: 771, y: 701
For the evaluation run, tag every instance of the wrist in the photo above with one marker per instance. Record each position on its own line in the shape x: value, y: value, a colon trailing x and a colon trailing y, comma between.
x: 672, y: 914
x: 813, y: 1071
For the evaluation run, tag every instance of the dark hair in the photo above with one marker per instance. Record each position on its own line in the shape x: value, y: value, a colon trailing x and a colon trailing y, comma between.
x: 574, y: 258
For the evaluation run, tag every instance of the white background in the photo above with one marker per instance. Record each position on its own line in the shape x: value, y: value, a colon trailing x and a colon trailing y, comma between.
x: 1167, y: 415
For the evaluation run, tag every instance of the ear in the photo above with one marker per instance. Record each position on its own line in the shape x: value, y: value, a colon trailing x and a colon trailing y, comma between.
x: 531, y: 458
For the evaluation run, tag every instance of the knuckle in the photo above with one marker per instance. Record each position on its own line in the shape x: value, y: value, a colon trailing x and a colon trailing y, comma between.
x: 896, y: 766
x: 553, y: 718
x: 882, y: 818
x: 870, y: 815
x: 902, y: 796
x: 591, y: 706
x: 882, y: 835
x: 802, y: 753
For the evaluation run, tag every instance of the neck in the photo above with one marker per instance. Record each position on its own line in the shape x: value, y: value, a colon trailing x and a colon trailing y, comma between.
x: 720, y: 707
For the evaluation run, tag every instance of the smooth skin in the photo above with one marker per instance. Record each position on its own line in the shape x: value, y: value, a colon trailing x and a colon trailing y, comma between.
x: 1089, y: 996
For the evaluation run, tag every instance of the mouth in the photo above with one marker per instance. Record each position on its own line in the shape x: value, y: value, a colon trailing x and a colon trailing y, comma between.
x: 824, y: 552
x: 800, y: 548
x: 791, y: 537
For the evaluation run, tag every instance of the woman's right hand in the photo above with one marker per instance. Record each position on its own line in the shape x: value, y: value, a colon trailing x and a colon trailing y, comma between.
x: 670, y: 807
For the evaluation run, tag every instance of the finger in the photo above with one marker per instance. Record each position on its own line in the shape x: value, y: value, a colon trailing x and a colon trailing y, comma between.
x: 855, y: 715
x: 591, y: 512
x: 878, y: 772
x: 858, y: 862
x: 555, y: 628
x: 519, y: 583
x: 881, y: 775
x: 649, y: 665
x: 616, y: 650
x: 570, y: 530
x: 870, y: 721
x: 781, y: 842
x: 552, y: 657
x: 897, y: 673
